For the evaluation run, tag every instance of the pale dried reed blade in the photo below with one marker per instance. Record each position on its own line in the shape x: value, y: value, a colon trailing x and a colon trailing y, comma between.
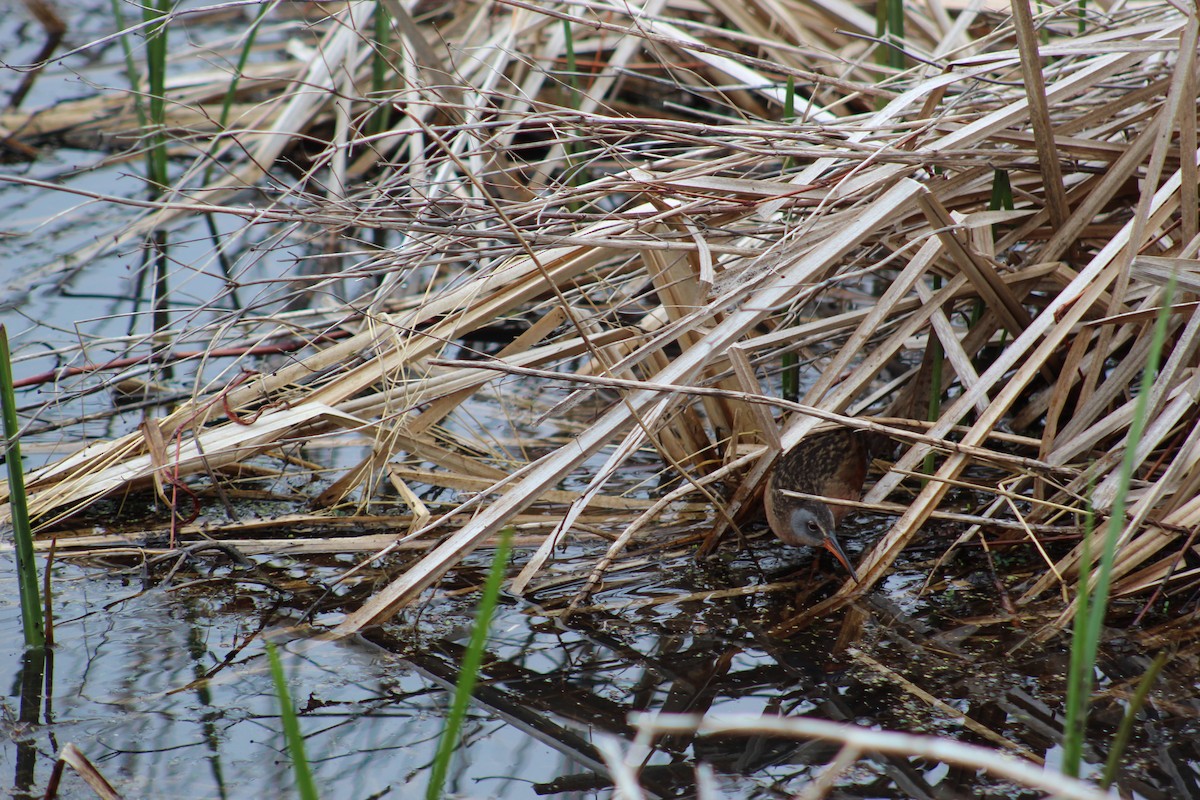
x: 216, y: 447
x: 474, y: 484
x: 952, y: 349
x: 767, y: 431
x: 1189, y: 203
x: 1159, y: 269
x: 626, y: 448
x: 1163, y: 199
x: 443, y: 406
x: 1132, y: 552
x: 1039, y: 116
x: 982, y: 275
x: 881, y: 310
x: 74, y: 757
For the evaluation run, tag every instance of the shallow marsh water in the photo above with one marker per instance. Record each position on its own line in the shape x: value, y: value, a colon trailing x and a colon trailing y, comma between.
x: 166, y: 689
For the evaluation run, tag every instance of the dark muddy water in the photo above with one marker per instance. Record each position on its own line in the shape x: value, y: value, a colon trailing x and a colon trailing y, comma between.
x: 166, y: 689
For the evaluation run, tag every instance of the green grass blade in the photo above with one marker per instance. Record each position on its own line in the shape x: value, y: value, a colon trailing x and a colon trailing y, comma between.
x: 889, y: 29
x: 469, y: 673
x: 131, y: 70
x: 1079, y: 672
x: 791, y: 376
x: 1087, y: 635
x: 291, y: 728
x: 895, y: 18
x: 27, y: 578
x: 381, y: 68
x: 1002, y: 193
x: 243, y: 59
x: 1002, y: 196
x: 572, y: 65
x: 156, y: 13
x: 1121, y: 740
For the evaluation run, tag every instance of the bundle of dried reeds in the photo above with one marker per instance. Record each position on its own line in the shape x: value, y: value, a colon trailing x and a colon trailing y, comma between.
x: 669, y: 198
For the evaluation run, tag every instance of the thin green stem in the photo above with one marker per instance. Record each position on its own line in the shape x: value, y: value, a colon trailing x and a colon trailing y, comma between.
x: 1086, y: 646
x: 889, y: 29
x: 27, y: 578
x: 572, y: 65
x: 291, y: 728
x: 381, y: 67
x: 155, y: 13
x: 791, y: 376
x: 789, y: 115
x: 131, y: 70
x: 469, y: 672
x: 1079, y: 672
x: 1125, y: 730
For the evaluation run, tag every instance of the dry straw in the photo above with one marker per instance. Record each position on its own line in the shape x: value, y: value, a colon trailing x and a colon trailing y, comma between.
x: 665, y: 223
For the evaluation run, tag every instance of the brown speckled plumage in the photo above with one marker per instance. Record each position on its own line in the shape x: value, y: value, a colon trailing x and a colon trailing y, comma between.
x: 831, y: 464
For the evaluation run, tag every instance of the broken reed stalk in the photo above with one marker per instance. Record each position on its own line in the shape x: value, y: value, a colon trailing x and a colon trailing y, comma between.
x: 27, y: 577
x: 71, y: 756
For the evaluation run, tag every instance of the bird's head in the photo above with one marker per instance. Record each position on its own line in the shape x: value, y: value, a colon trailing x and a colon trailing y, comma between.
x: 811, y: 524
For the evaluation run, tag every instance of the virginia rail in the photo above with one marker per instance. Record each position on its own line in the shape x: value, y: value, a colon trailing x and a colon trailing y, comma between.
x: 830, y: 464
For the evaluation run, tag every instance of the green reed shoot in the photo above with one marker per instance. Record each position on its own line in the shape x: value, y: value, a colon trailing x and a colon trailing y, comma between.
x: 151, y: 104
x: 27, y: 577
x: 131, y: 68
x: 789, y: 116
x: 381, y: 68
x: 1075, y: 727
x: 790, y: 361
x: 1001, y: 200
x: 239, y: 70
x: 291, y: 728
x: 1093, y: 602
x: 791, y: 376
x: 572, y: 65
x: 1125, y: 729
x: 889, y: 28
x: 1002, y: 193
x: 933, y: 407
x: 155, y: 13
x: 222, y: 121
x: 571, y: 148
x: 469, y: 672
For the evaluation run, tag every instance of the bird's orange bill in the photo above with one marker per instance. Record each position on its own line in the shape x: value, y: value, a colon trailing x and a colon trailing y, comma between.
x: 832, y: 545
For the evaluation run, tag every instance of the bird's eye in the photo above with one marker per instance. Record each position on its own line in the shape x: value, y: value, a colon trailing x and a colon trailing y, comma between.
x: 813, y: 527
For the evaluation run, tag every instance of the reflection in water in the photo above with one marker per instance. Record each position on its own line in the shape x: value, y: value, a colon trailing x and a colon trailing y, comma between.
x: 36, y: 671
x: 168, y: 694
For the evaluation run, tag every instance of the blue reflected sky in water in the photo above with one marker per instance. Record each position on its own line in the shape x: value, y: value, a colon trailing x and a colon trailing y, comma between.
x: 124, y: 691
